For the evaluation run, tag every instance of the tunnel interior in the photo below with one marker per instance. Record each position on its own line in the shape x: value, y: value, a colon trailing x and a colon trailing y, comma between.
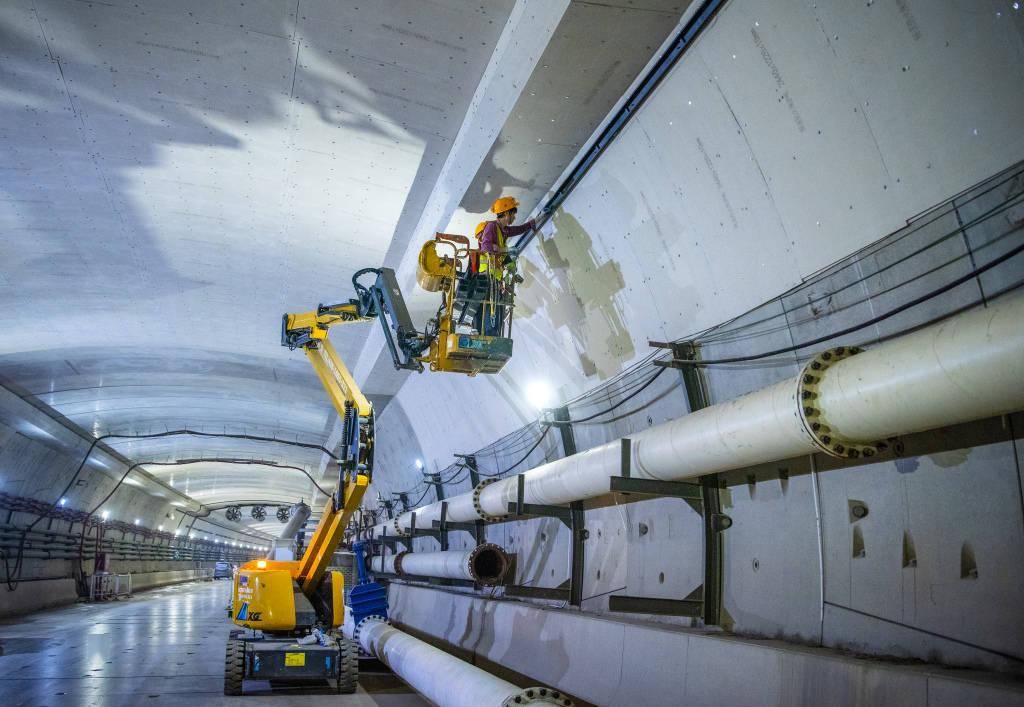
x: 757, y: 404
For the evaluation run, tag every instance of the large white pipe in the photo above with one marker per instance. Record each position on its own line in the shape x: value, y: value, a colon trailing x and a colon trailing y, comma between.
x: 844, y: 403
x: 441, y: 677
x: 281, y: 546
x: 486, y: 564
x: 383, y: 564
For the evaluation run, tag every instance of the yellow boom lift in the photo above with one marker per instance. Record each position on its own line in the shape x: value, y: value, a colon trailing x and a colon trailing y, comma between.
x: 289, y: 610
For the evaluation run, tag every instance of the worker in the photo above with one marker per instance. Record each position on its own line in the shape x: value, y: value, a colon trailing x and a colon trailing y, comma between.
x: 494, y: 254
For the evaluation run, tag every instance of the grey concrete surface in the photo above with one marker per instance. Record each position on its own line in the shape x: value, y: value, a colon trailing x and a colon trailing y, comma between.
x: 614, y: 662
x: 164, y: 646
x: 176, y: 176
x: 790, y: 136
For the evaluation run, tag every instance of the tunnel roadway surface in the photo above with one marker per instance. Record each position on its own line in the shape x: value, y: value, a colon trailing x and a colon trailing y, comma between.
x: 164, y: 646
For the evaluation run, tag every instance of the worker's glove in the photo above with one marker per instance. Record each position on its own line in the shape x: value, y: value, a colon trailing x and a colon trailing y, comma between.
x: 532, y: 224
x: 513, y: 253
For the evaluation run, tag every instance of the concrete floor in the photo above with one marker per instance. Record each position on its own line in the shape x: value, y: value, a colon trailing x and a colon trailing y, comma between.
x: 161, y: 647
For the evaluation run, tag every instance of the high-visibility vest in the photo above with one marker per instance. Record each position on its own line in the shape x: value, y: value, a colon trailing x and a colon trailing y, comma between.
x: 487, y: 259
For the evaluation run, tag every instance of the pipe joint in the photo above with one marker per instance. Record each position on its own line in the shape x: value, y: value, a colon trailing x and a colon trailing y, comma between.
x: 476, y: 500
x: 399, y: 530
x: 372, y: 618
x: 398, y: 562
x: 488, y: 564
x: 829, y: 440
x: 537, y: 696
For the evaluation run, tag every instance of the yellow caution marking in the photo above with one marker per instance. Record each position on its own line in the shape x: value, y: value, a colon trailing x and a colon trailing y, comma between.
x: 294, y: 660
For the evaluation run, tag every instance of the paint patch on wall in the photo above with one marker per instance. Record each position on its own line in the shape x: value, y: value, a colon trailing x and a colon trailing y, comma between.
x: 577, y: 292
x: 908, y: 465
x: 951, y: 459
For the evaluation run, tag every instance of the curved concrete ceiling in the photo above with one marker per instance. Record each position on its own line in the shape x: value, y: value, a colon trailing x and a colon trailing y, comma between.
x: 175, y: 177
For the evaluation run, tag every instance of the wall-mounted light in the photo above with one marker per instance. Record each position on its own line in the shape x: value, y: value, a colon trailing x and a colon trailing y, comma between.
x: 63, y: 502
x: 177, y: 531
x: 419, y: 463
x: 105, y: 514
x: 137, y: 521
x: 160, y: 528
x: 539, y: 394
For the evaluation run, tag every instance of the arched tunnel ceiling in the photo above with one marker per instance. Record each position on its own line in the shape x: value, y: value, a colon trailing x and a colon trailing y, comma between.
x: 175, y: 177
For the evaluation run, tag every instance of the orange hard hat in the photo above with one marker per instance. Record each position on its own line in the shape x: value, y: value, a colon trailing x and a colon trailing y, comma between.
x: 480, y: 228
x: 503, y: 204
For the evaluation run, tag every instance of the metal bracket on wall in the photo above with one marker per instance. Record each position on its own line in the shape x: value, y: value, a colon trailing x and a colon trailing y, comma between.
x: 391, y: 541
x: 573, y: 518
x: 435, y: 481
x: 707, y: 495
x: 404, y: 499
x: 444, y: 525
x: 703, y: 602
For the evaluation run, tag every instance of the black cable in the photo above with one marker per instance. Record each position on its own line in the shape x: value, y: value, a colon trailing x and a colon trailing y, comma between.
x: 874, y: 320
x: 924, y: 219
x: 633, y: 411
x: 12, y: 575
x: 525, y: 456
x: 16, y: 572
x: 616, y: 405
x: 132, y: 467
x: 227, y: 435
x: 867, y: 298
x: 1001, y: 654
x: 716, y: 337
x: 228, y: 460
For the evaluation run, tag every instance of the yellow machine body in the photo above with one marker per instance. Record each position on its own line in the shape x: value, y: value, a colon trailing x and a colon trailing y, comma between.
x: 264, y: 598
x: 472, y: 353
x: 436, y: 270
x: 337, y: 598
x: 451, y: 352
x: 280, y: 595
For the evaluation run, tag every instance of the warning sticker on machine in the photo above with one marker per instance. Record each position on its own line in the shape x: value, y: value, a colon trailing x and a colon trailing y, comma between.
x: 295, y: 660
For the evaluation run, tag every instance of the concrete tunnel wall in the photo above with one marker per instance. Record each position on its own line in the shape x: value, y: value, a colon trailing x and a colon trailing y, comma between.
x: 781, y: 142
x: 38, y: 456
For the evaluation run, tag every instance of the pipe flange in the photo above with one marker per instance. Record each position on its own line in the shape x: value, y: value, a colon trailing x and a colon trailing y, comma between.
x: 537, y: 696
x: 398, y: 562
x: 476, y: 501
x: 363, y: 622
x: 489, y: 547
x: 825, y: 437
x: 398, y: 529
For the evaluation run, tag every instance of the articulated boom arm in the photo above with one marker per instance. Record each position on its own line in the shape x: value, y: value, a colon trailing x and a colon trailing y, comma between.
x: 329, y: 533
x: 382, y: 300
x: 309, y: 330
